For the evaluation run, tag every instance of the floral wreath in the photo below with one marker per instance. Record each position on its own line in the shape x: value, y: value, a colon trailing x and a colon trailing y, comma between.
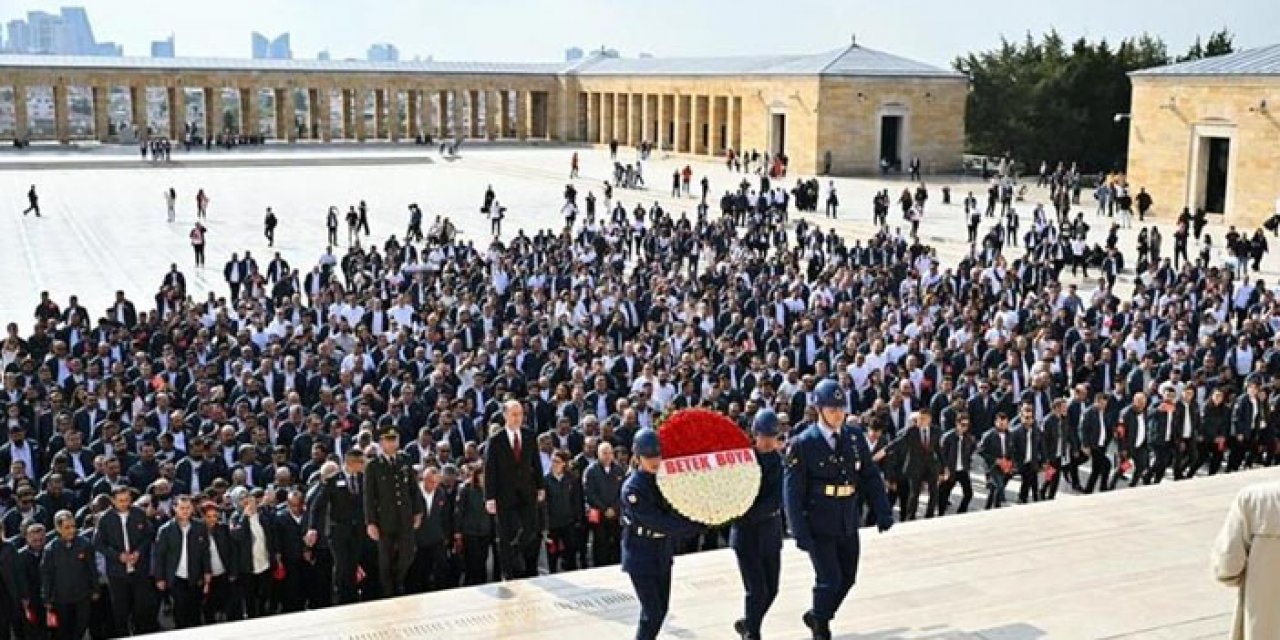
x: 709, y: 472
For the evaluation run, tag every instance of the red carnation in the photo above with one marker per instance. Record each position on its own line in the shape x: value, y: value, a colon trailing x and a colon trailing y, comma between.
x: 693, y: 431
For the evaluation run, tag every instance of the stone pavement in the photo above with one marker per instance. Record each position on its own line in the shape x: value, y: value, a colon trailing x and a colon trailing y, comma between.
x: 1123, y: 565
x: 104, y: 220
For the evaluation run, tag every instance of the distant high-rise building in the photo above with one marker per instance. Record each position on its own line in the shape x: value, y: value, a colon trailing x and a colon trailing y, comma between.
x: 383, y: 52
x: 573, y: 54
x: 163, y: 48
x: 67, y: 33
x: 323, y: 55
x: 277, y: 49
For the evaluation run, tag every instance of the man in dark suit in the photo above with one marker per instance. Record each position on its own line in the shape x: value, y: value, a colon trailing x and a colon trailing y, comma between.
x: 182, y: 563
x: 996, y: 448
x: 1247, y: 419
x: 430, y: 561
x: 392, y: 509
x: 124, y: 537
x: 1027, y: 445
x: 1095, y: 437
x: 1055, y: 449
x: 918, y: 446
x: 336, y: 512
x: 514, y: 487
x: 1134, y: 441
x: 958, y: 446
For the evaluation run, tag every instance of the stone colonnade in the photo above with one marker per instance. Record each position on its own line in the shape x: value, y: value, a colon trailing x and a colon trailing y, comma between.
x: 287, y: 111
x: 699, y: 124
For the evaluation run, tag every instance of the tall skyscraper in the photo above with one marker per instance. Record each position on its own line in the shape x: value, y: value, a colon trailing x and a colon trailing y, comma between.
x: 67, y: 33
x: 163, y: 48
x: 384, y: 52
x: 323, y: 55
x: 573, y: 54
x: 278, y: 49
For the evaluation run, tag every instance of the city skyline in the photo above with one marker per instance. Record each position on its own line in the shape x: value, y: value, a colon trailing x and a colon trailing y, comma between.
x: 541, y: 30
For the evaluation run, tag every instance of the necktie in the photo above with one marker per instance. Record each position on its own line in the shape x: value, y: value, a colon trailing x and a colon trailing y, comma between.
x: 516, y: 447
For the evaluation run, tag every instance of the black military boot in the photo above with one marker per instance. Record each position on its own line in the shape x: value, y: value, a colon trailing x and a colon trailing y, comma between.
x: 819, y: 628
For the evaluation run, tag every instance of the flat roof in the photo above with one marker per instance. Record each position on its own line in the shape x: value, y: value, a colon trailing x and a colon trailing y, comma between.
x: 853, y: 60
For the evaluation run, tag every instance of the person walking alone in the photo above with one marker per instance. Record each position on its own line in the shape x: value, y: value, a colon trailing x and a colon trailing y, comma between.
x: 197, y: 242
x: 33, y: 202
x: 269, y: 223
x: 170, y: 203
x: 202, y: 205
x: 364, y: 218
x: 833, y: 203
x: 331, y: 221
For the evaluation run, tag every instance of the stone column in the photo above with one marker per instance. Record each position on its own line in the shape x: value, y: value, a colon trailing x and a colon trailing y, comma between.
x: 61, y: 125
x: 715, y: 118
x: 348, y: 127
x: 379, y: 118
x: 358, y: 104
x: 593, y: 121
x: 101, y: 119
x: 606, y: 118
x: 250, y: 111
x: 19, y: 112
x: 325, y: 111
x: 212, y: 112
x: 695, y: 124
x: 662, y: 121
x: 524, y: 114
x: 732, y: 117
x: 442, y: 110
x: 175, y: 101
x: 492, y: 119
x: 645, y: 113
x: 411, y: 109
x: 313, y: 114
x: 393, y: 114
x: 138, y: 109
x: 679, y: 117
x: 458, y: 131
x: 284, y: 123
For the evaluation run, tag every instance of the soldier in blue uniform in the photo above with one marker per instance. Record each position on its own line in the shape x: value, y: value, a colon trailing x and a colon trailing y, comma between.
x: 756, y: 537
x: 649, y: 532
x: 827, y: 466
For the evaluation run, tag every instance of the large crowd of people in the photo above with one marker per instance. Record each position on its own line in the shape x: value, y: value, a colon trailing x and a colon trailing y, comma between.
x: 320, y: 435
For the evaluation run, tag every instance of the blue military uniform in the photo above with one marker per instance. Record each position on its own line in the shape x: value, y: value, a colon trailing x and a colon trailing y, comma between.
x: 649, y: 532
x: 756, y: 537
x: 826, y: 469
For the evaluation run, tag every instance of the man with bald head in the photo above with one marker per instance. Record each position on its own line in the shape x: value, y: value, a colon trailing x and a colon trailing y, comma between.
x: 513, y: 490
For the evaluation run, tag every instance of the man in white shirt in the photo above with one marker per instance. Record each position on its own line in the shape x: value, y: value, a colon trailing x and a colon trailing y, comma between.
x: 182, y: 552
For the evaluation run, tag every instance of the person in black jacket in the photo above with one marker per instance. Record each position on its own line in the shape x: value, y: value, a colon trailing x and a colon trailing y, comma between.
x: 69, y: 578
x: 289, y: 522
x: 513, y: 490
x: 181, y: 563
x: 601, y: 489
x: 255, y: 552
x: 957, y: 446
x: 392, y: 510
x: 335, y: 519
x: 433, y: 537
x: 124, y: 536
x: 221, y: 563
x: 27, y: 582
x: 474, y: 534
x: 1215, y: 428
x: 564, y: 514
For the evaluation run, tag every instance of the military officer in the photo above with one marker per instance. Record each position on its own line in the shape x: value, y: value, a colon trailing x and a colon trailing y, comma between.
x: 649, y: 532
x: 393, y: 508
x: 827, y: 466
x: 756, y: 537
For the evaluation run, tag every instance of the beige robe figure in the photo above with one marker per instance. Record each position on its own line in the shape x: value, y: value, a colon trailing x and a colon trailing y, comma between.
x: 1246, y: 555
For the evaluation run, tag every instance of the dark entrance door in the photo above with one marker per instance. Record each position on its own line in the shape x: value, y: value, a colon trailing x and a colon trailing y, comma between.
x: 779, y: 133
x: 1215, y: 192
x: 891, y: 140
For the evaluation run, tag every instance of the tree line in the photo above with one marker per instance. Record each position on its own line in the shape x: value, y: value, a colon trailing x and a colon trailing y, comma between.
x: 1046, y: 100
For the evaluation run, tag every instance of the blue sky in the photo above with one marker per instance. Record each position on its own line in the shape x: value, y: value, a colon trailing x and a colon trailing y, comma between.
x: 933, y: 31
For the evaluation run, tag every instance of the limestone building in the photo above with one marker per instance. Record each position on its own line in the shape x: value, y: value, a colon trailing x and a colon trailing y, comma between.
x: 846, y: 109
x: 1206, y: 134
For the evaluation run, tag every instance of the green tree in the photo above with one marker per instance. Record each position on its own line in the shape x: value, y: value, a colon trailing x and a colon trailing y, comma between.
x: 1045, y: 100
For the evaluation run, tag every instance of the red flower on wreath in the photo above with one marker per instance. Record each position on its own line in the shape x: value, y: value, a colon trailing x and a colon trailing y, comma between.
x: 693, y: 431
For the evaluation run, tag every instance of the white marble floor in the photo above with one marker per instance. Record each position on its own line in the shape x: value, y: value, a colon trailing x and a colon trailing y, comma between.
x: 1124, y: 565
x: 104, y: 220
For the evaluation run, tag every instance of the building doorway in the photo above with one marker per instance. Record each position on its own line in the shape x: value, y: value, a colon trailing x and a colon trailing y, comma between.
x: 1216, y: 172
x: 778, y: 133
x: 891, y: 140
